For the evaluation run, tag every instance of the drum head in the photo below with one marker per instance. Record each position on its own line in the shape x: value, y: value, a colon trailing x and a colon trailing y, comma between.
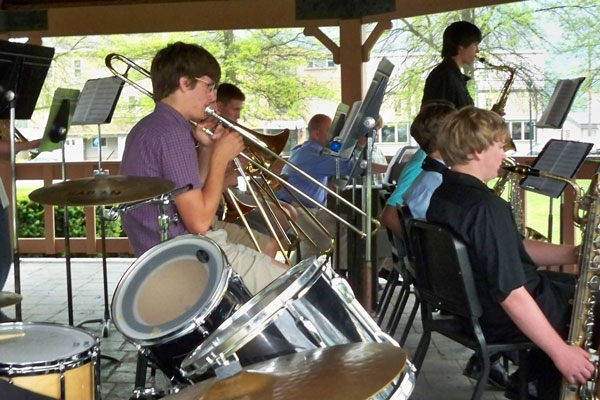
x: 37, y: 344
x: 171, y: 285
x: 254, y: 316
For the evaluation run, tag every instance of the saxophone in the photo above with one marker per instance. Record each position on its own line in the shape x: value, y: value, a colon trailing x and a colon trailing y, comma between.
x: 588, y: 281
x: 582, y: 317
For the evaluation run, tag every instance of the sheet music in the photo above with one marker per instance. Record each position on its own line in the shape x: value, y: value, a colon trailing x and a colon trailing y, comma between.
x: 560, y: 103
x: 559, y: 157
x: 97, y: 101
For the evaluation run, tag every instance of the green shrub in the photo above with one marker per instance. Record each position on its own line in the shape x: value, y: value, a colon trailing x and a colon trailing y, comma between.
x: 31, y: 221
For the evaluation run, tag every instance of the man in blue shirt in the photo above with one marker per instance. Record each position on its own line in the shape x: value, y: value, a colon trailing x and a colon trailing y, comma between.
x: 307, y: 156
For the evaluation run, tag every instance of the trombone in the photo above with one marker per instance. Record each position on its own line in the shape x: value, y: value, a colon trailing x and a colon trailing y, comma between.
x: 257, y: 143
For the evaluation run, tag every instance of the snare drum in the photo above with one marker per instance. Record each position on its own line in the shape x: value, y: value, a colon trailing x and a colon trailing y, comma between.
x: 313, y: 307
x: 173, y: 297
x: 53, y: 360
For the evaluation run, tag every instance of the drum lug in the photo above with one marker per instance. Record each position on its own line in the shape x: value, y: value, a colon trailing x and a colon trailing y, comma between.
x: 227, y: 367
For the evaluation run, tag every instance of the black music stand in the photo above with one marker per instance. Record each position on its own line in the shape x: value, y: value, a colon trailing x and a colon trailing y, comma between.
x: 360, y: 122
x: 558, y: 157
x: 96, y: 105
x: 23, y: 70
x: 63, y: 105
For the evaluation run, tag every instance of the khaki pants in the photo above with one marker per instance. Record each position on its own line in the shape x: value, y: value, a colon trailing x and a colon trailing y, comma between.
x: 239, y: 235
x: 256, y: 269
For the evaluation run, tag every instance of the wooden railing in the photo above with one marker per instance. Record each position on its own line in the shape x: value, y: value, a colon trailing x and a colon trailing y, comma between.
x: 50, y: 244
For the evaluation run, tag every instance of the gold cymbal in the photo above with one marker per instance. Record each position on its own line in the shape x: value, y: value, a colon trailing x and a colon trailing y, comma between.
x: 349, y: 371
x: 9, y: 298
x: 102, y: 190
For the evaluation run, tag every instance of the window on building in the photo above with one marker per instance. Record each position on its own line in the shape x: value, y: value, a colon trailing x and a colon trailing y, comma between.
x: 403, y: 132
x: 77, y: 67
x: 516, y: 130
x: 321, y: 63
x: 388, y: 134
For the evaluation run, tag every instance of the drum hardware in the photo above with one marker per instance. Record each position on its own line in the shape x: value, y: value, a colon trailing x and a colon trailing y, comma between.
x: 162, y: 201
x: 347, y: 371
x: 50, y: 359
x: 9, y: 299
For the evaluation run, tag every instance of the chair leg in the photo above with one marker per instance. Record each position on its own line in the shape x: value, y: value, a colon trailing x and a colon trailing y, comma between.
x: 411, y: 319
x: 405, y: 292
x: 523, y: 374
x: 423, y: 345
x: 386, y: 296
x: 485, y: 372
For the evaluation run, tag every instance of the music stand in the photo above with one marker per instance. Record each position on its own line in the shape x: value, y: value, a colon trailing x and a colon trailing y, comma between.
x: 558, y: 157
x: 63, y: 105
x: 558, y: 108
x: 360, y: 122
x: 361, y: 119
x: 23, y: 70
x: 96, y: 105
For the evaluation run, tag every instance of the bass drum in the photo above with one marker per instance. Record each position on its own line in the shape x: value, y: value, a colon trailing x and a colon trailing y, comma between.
x: 57, y: 361
x: 313, y: 308
x: 172, y: 297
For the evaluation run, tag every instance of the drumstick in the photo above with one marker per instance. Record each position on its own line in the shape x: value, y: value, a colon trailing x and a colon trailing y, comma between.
x: 7, y: 336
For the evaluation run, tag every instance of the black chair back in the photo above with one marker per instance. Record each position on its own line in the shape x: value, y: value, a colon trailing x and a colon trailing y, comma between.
x: 397, y: 164
x: 443, y: 272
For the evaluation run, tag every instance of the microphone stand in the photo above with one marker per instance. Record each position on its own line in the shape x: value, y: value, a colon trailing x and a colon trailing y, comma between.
x: 11, y: 97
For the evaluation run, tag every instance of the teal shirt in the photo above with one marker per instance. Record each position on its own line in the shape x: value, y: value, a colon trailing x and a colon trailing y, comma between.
x: 407, y: 177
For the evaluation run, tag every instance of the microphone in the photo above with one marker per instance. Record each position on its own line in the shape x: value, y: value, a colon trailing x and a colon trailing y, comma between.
x: 522, y: 170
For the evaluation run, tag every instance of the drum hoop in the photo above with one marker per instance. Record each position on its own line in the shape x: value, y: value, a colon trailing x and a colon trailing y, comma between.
x: 194, y: 322
x: 75, y: 361
x: 311, y: 270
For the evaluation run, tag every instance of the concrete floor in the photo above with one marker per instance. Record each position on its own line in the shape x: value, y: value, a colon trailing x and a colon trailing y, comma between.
x: 43, y: 283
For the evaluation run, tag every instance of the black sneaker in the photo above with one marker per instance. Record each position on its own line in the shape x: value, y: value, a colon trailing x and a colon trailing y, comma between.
x: 498, y: 375
x: 512, y: 388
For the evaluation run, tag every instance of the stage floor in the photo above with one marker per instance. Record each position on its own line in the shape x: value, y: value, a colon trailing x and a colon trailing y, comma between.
x: 43, y: 286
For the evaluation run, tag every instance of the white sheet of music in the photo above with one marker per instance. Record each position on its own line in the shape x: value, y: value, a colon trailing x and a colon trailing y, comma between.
x: 97, y: 101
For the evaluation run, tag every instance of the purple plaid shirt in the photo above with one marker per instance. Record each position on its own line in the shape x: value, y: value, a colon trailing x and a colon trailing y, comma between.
x: 160, y: 145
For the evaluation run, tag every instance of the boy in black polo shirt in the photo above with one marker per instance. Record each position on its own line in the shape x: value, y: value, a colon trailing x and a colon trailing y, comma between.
x: 518, y: 301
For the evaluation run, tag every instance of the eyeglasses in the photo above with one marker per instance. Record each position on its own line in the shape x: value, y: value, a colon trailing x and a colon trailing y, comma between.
x: 211, y: 86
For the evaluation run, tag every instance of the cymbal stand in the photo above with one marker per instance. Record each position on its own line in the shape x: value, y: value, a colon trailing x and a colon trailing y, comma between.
x: 106, y: 320
x: 11, y: 97
x: 67, y: 244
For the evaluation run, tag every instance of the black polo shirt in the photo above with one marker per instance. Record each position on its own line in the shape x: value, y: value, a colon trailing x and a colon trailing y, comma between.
x: 447, y: 82
x: 498, y: 257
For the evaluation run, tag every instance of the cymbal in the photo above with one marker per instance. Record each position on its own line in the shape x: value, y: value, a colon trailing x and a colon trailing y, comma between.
x: 349, y: 371
x: 102, y: 190
x: 9, y: 298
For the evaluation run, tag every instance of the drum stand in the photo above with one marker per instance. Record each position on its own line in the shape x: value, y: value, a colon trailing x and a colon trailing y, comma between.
x: 106, y: 320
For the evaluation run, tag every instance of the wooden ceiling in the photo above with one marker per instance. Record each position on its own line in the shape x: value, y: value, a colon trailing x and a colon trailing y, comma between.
x: 76, y: 17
